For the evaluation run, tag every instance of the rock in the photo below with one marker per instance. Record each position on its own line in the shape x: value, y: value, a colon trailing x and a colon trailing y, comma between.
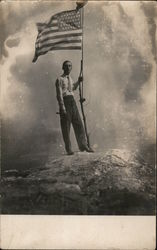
x: 114, y: 183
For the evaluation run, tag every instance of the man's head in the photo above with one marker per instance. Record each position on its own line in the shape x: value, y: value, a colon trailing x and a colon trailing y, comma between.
x: 67, y: 67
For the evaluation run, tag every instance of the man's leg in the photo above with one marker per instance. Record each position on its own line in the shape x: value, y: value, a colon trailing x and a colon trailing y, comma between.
x: 78, y: 128
x: 65, y: 126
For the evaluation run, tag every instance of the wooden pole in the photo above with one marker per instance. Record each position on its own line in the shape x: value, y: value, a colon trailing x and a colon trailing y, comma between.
x: 82, y: 99
x: 82, y: 20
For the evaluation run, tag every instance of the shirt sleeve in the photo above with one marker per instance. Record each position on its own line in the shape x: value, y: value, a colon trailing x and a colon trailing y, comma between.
x: 59, y: 94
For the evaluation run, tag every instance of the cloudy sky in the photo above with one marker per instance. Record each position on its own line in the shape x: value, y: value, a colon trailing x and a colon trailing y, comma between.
x: 119, y: 72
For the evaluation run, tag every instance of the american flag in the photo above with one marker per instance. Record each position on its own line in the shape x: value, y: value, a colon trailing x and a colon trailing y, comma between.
x: 62, y: 32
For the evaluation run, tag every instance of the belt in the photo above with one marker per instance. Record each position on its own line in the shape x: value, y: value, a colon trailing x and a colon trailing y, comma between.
x: 68, y: 97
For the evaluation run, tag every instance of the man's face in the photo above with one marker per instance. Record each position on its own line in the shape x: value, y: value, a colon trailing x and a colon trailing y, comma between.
x: 67, y: 68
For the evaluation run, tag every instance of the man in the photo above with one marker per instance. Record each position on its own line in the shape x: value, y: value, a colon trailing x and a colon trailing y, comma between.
x: 68, y: 110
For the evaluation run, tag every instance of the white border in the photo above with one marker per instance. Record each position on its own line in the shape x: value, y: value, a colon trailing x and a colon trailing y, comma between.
x: 77, y: 232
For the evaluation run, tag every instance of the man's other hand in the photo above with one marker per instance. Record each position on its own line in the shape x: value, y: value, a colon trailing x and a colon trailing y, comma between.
x: 80, y: 79
x: 63, y: 112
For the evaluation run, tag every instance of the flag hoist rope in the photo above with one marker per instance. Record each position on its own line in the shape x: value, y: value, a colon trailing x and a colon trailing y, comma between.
x: 82, y: 99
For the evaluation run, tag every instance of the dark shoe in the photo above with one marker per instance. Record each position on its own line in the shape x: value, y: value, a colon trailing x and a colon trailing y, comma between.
x: 87, y: 149
x: 70, y: 153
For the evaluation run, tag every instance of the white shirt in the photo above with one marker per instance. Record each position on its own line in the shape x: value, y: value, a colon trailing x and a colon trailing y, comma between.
x: 65, y: 87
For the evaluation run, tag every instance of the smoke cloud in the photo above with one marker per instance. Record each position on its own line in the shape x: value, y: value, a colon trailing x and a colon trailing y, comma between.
x: 119, y: 75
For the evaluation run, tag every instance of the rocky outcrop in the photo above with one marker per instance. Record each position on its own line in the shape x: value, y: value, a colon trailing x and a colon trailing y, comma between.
x: 117, y: 182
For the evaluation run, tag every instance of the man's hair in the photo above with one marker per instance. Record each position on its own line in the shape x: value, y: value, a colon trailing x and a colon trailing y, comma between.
x: 63, y: 65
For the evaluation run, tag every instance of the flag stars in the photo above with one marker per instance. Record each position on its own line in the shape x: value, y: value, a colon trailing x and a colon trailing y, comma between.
x: 68, y: 25
x: 69, y: 21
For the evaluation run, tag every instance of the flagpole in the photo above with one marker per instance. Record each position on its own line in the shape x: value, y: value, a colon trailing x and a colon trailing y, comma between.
x: 82, y: 17
x: 82, y: 99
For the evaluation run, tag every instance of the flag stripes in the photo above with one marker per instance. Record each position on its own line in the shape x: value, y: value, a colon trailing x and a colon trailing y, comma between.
x: 50, y: 37
x: 63, y: 31
x: 58, y: 43
x: 49, y: 30
x: 61, y: 48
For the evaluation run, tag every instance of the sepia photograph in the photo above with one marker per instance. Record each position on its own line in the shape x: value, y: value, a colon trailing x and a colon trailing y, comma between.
x: 78, y: 107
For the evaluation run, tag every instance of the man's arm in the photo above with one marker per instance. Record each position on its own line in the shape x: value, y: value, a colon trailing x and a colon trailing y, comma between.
x: 76, y: 84
x: 60, y: 96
